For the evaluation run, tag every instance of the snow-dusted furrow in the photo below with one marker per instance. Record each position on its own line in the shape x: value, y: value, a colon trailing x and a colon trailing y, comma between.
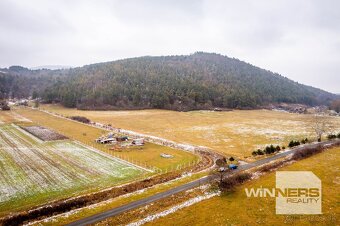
x: 35, y: 161
x: 28, y: 167
x: 27, y: 161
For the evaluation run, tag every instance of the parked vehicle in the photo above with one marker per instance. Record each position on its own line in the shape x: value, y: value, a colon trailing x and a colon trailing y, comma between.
x: 232, y: 166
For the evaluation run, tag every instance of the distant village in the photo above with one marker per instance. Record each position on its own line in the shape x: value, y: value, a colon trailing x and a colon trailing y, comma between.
x: 303, y: 109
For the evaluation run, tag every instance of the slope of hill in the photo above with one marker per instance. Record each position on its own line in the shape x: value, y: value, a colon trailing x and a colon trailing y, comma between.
x: 197, y: 81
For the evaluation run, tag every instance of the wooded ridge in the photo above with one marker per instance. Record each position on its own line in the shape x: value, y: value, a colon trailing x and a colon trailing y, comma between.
x: 188, y: 82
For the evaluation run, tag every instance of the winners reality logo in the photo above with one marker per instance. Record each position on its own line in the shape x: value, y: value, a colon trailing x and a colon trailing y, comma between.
x: 296, y: 192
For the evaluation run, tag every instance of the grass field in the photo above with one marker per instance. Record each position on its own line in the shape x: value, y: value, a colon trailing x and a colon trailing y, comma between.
x: 149, y: 155
x: 236, y: 209
x: 235, y: 133
x: 33, y: 172
x: 11, y: 116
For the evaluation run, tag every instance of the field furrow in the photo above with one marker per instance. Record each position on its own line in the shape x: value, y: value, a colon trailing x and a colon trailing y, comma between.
x: 34, y: 172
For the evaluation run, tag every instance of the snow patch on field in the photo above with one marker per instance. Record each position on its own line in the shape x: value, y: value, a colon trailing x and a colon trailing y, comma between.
x: 174, y: 209
x: 112, y: 157
x: 204, y: 128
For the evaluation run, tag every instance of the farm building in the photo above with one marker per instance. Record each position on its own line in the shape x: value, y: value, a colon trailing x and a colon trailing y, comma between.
x: 119, y: 139
x: 108, y: 140
x: 138, y: 142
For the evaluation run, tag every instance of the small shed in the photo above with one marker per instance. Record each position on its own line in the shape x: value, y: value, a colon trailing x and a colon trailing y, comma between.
x: 138, y: 142
x: 125, y: 138
x: 108, y: 140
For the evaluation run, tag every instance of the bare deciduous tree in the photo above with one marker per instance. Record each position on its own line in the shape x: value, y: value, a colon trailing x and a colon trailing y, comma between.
x: 321, y: 124
x: 222, y: 168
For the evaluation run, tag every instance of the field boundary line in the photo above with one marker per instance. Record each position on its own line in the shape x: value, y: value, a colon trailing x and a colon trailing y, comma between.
x: 28, y: 134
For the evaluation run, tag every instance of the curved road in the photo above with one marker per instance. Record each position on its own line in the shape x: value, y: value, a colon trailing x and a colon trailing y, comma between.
x: 133, y: 205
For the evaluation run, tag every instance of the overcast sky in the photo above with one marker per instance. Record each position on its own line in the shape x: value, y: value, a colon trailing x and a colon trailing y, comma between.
x: 299, y: 39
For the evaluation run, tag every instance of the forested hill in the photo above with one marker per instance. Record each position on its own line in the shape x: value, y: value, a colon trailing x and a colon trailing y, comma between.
x: 197, y: 81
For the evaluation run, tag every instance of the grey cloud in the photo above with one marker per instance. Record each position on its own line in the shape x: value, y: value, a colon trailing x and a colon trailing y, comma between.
x: 297, y: 38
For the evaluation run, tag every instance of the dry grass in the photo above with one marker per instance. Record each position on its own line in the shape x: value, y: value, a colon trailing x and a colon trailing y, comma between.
x: 236, y: 209
x: 235, y: 133
x: 10, y: 116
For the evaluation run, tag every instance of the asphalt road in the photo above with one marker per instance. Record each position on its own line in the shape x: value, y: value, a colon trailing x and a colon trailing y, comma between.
x: 142, y: 202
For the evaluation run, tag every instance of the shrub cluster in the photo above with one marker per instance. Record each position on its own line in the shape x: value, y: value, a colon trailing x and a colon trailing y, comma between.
x: 304, y: 141
x: 294, y: 143
x: 4, y: 106
x: 229, y: 183
x: 80, y: 119
x: 268, y: 150
x: 272, y: 149
x: 304, y: 153
x: 258, y: 152
x: 270, y: 166
x: 333, y: 136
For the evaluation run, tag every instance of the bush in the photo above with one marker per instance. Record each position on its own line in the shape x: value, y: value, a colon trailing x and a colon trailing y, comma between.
x: 231, y: 159
x: 303, y: 141
x: 270, y: 149
x: 283, y: 147
x: 338, y: 136
x: 36, y: 104
x: 267, y: 150
x: 304, y: 153
x: 230, y: 182
x: 80, y: 119
x: 260, y: 152
x: 331, y: 136
x: 221, y: 162
x: 6, y: 108
x: 293, y: 143
x: 270, y: 166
